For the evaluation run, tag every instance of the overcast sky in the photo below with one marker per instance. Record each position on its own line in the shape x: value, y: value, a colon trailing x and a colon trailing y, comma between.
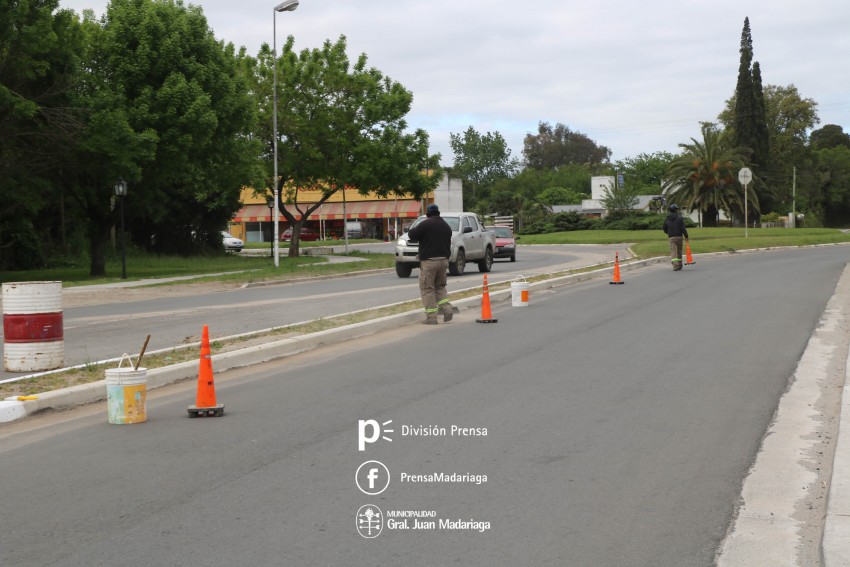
x: 637, y: 77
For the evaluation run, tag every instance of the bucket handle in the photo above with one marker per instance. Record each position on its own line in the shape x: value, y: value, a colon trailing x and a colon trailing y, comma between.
x: 520, y: 276
x: 126, y: 357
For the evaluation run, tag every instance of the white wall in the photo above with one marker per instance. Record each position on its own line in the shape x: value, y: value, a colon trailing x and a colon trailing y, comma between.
x: 600, y: 185
x: 448, y: 195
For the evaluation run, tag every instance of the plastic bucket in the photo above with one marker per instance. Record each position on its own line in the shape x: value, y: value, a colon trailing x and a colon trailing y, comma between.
x: 126, y: 393
x: 33, y: 336
x: 519, y: 293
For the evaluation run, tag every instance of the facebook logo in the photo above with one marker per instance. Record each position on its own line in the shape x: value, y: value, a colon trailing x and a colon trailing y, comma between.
x: 372, y: 477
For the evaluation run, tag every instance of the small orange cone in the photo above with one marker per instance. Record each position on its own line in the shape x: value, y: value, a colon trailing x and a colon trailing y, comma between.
x: 688, y: 258
x: 205, y: 404
x: 486, y: 316
x: 616, y: 279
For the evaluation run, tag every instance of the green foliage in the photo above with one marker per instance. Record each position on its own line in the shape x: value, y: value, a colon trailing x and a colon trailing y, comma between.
x: 705, y: 177
x: 39, y: 64
x: 553, y: 147
x: 833, y: 172
x: 645, y: 173
x: 829, y: 136
x: 481, y: 159
x: 343, y: 125
x: 619, y: 199
x: 560, y: 196
x: 635, y: 220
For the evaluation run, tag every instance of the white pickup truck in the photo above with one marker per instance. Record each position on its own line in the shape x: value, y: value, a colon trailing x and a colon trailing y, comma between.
x: 471, y: 241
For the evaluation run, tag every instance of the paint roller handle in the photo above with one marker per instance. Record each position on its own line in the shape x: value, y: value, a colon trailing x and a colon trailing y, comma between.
x: 142, y: 353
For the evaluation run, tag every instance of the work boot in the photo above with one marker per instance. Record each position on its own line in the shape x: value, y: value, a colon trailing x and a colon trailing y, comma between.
x: 431, y: 320
x: 447, y: 313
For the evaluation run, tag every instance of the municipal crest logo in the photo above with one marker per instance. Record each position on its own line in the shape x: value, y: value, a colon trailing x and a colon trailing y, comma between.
x: 370, y: 521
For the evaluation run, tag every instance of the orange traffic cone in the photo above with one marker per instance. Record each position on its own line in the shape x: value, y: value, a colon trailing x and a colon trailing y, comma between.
x: 205, y: 404
x: 486, y: 316
x: 616, y: 279
x: 688, y: 258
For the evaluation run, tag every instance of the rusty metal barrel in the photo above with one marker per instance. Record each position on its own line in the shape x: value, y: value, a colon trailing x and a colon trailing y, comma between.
x: 33, y: 336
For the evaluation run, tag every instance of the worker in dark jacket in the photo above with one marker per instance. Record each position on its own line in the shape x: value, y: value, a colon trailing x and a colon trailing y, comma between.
x: 435, y: 247
x: 674, y: 228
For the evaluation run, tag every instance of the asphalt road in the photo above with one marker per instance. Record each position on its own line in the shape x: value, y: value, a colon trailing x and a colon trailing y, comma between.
x: 105, y: 331
x: 621, y: 422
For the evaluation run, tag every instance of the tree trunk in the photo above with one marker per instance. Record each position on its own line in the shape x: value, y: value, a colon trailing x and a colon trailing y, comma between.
x: 98, y: 241
x: 295, y: 243
x: 709, y: 217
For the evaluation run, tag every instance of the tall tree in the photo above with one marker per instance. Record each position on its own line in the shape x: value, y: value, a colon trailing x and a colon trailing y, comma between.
x: 481, y: 159
x: 39, y: 64
x: 704, y: 177
x: 832, y: 166
x: 830, y: 136
x: 167, y: 108
x: 789, y: 117
x: 553, y: 147
x: 745, y: 98
x: 343, y: 126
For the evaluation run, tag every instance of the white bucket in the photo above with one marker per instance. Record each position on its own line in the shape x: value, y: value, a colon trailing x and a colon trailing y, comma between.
x: 126, y: 393
x: 33, y: 336
x: 519, y: 293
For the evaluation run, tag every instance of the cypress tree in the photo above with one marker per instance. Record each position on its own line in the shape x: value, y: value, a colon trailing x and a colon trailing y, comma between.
x: 745, y: 102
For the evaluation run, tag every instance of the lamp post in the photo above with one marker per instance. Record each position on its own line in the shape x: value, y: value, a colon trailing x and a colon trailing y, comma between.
x: 270, y: 204
x: 120, y: 189
x: 285, y: 6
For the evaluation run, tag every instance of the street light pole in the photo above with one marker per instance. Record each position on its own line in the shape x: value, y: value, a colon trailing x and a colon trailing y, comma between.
x: 270, y: 204
x: 120, y: 189
x: 285, y: 6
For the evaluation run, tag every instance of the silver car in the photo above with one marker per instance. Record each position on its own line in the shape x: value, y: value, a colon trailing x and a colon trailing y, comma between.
x: 231, y: 243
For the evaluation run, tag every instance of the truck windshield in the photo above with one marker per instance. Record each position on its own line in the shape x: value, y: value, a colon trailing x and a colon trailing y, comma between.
x: 453, y: 222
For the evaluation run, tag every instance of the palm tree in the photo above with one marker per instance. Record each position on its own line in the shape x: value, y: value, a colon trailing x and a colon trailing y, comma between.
x: 704, y: 177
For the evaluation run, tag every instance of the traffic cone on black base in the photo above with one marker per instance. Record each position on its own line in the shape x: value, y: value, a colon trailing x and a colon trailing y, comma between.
x: 486, y: 316
x: 616, y: 279
x: 205, y: 404
x: 688, y: 258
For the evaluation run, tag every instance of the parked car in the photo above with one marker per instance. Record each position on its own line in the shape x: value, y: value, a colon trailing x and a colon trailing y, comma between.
x: 505, y: 243
x: 231, y: 242
x: 306, y: 234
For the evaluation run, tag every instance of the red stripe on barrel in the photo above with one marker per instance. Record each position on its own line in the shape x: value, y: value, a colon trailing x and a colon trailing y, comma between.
x: 35, y: 328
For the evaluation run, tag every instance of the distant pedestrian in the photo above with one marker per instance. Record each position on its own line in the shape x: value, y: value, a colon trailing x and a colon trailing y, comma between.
x: 435, y: 247
x: 674, y: 228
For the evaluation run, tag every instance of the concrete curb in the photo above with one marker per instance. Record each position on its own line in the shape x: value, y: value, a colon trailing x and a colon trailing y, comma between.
x: 836, y: 531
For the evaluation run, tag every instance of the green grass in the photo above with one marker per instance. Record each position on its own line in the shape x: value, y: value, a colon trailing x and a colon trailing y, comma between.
x: 648, y: 243
x: 228, y: 267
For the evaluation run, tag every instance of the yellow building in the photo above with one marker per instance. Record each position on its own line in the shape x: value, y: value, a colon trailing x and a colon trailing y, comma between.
x: 380, y: 217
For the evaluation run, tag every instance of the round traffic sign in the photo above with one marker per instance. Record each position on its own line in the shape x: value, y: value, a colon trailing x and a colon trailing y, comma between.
x: 745, y: 176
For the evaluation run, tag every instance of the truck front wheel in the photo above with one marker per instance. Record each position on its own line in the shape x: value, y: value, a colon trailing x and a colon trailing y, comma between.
x: 403, y: 270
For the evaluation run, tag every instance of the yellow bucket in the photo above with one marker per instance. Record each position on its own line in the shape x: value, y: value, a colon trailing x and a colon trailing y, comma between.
x: 126, y: 393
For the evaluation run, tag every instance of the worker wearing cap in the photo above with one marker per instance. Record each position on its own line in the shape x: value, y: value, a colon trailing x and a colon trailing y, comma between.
x: 674, y: 228
x: 435, y: 246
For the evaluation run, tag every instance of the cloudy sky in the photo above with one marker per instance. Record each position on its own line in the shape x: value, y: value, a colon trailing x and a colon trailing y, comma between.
x: 637, y: 77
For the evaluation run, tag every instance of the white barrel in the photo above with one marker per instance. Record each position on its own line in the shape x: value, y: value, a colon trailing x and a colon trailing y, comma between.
x: 33, y: 335
x: 126, y: 394
x: 519, y: 293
